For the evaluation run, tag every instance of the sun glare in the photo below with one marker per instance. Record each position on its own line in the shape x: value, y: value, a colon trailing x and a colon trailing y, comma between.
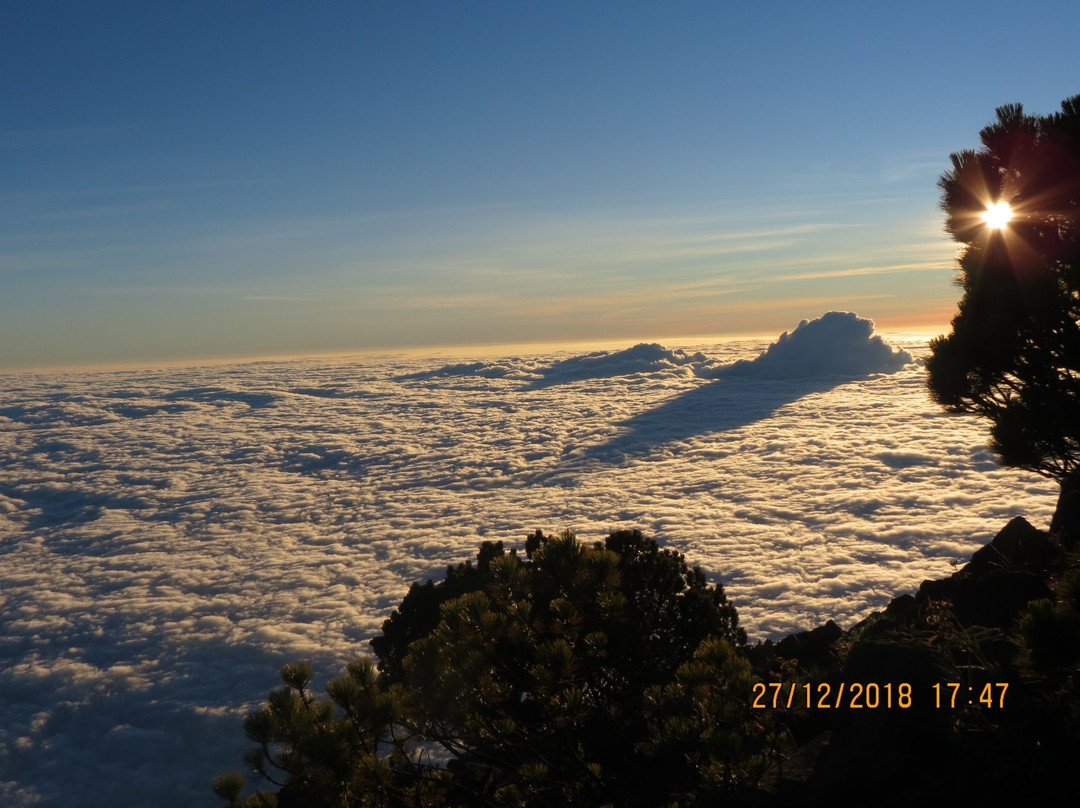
x: 997, y: 215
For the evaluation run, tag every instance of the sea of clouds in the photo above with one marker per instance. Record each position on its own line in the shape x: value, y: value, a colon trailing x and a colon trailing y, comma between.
x: 168, y: 539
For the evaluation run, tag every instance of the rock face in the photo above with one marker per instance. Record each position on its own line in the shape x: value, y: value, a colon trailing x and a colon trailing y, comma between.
x: 1017, y: 546
x: 811, y: 648
x: 1001, y: 579
x: 957, y: 631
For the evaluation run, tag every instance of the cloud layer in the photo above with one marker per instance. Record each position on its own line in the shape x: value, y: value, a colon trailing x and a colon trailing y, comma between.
x: 168, y: 539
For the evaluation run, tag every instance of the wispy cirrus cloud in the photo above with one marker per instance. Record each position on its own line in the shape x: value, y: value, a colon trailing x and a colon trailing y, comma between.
x: 918, y: 266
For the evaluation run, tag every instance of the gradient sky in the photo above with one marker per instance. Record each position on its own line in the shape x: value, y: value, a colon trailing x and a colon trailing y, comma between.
x: 232, y: 178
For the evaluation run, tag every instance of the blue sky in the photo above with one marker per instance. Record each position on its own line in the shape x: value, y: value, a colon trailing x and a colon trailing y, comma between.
x: 191, y: 180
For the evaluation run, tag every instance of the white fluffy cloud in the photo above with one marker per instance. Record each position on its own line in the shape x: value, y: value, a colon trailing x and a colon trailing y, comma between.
x: 836, y: 345
x: 644, y: 357
x: 839, y: 343
x: 168, y: 539
x: 641, y: 358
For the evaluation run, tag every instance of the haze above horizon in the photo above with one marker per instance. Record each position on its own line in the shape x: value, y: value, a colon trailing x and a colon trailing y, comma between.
x: 221, y: 179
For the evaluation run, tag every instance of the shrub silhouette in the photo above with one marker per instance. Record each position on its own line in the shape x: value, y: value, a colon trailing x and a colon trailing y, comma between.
x: 573, y: 675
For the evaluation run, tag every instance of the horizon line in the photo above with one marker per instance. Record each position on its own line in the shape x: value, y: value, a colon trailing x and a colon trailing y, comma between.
x: 907, y: 328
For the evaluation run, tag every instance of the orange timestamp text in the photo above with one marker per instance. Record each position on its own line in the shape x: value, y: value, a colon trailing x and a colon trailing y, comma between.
x: 872, y: 695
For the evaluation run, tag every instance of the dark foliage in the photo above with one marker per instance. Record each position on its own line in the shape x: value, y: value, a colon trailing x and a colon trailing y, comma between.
x: 546, y: 663
x: 418, y: 614
x: 573, y: 675
x: 1013, y: 355
x: 668, y: 608
x: 524, y: 692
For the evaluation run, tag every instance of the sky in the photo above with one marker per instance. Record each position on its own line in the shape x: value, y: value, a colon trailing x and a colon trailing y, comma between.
x: 185, y: 181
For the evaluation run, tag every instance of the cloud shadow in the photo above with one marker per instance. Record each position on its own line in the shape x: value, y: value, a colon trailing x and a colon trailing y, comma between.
x: 217, y: 395
x: 717, y: 406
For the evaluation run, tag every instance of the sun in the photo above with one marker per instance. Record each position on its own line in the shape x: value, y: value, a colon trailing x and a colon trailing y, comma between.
x: 997, y: 215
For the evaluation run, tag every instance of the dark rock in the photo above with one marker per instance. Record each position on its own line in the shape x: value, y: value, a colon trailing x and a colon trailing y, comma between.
x: 1018, y: 545
x: 901, y: 608
x: 876, y: 750
x: 998, y: 598
x: 1001, y: 579
x: 958, y: 629
x: 810, y: 648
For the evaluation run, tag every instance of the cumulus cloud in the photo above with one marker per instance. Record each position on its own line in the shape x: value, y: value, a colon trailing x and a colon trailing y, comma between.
x: 839, y: 343
x: 485, y: 370
x: 642, y: 358
x: 645, y: 357
x: 169, y: 539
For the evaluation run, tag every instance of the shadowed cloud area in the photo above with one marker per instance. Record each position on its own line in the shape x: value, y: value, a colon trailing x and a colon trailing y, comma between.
x: 818, y: 355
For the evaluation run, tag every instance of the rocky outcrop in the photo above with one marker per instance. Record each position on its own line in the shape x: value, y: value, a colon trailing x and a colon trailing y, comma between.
x: 945, y: 744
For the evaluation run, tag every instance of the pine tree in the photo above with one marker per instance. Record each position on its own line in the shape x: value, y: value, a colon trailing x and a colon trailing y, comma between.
x: 1013, y: 355
x: 526, y: 680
